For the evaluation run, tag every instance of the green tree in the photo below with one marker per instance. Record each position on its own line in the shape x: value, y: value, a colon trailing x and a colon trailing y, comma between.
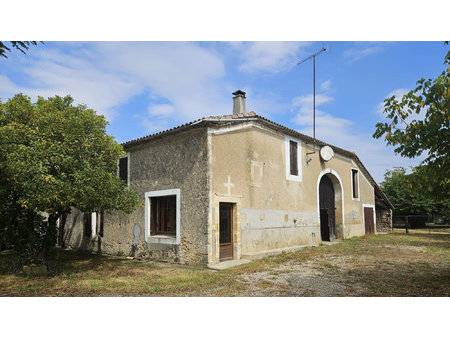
x: 405, y: 191
x: 22, y: 46
x: 55, y: 156
x: 412, y: 136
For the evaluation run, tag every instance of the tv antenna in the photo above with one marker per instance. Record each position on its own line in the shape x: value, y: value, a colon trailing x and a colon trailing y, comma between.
x: 324, y: 49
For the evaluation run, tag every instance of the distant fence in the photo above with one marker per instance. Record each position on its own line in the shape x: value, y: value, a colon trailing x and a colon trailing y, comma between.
x: 418, y: 221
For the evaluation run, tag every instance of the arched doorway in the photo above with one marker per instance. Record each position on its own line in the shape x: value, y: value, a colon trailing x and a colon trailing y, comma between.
x: 330, y: 205
x: 327, y: 209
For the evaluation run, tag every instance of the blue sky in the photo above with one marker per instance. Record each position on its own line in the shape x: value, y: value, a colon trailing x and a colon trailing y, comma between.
x: 144, y: 87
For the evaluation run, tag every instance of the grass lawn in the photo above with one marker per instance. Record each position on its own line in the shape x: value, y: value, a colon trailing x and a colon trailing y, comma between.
x: 417, y: 264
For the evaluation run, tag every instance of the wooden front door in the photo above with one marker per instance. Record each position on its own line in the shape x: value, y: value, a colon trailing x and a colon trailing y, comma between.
x: 368, y: 221
x: 226, y: 231
x: 327, y: 209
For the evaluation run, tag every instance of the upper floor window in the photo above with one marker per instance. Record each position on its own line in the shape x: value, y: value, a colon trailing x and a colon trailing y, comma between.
x: 293, y: 155
x: 293, y: 163
x: 123, y: 170
x: 355, y: 184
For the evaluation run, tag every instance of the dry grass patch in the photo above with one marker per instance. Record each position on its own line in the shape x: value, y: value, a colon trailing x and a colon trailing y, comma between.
x: 397, y: 264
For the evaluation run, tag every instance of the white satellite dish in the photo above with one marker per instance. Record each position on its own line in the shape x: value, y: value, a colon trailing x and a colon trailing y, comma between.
x: 326, y: 153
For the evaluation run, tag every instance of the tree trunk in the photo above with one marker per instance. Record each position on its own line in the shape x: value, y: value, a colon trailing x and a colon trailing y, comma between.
x: 49, y: 242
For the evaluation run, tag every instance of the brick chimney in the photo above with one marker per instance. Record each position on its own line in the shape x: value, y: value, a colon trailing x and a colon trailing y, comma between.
x: 239, y: 103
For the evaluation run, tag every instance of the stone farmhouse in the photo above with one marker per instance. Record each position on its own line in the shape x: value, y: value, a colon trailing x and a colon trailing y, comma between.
x: 232, y: 187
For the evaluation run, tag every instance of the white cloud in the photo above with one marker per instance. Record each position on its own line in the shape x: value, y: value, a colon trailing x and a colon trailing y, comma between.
x: 185, y: 74
x: 7, y: 88
x: 106, y: 75
x: 398, y: 93
x: 361, y: 50
x: 54, y: 73
x: 161, y: 110
x: 326, y: 85
x: 344, y: 133
x: 158, y: 117
x: 271, y: 57
x: 305, y: 102
x: 152, y: 125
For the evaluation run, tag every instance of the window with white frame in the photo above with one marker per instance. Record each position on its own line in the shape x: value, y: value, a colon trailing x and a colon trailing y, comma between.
x: 355, y: 183
x: 93, y: 224
x: 162, y: 216
x: 293, y: 159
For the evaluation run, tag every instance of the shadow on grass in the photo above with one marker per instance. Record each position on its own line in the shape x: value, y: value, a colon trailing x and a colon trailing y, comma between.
x: 418, y: 279
x: 69, y: 262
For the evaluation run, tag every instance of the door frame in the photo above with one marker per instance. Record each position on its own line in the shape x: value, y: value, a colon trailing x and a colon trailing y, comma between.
x: 374, y: 217
x: 232, y: 207
x: 341, y: 187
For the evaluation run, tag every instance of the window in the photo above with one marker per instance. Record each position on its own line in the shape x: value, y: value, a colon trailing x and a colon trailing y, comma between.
x: 93, y: 224
x: 123, y: 169
x: 163, y: 215
x: 293, y: 158
x: 355, y: 184
x: 87, y: 224
x: 99, y: 226
x: 293, y: 152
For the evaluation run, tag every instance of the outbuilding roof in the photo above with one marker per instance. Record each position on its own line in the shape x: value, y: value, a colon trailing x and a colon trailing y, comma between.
x: 252, y: 116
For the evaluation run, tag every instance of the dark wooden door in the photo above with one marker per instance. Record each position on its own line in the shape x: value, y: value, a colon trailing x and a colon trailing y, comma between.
x: 324, y: 228
x: 368, y: 221
x: 226, y: 231
x: 327, y: 209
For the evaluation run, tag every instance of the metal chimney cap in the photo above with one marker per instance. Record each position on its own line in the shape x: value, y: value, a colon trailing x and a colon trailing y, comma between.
x: 239, y: 93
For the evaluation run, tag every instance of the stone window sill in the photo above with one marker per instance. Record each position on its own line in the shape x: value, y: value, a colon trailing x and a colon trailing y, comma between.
x: 163, y: 236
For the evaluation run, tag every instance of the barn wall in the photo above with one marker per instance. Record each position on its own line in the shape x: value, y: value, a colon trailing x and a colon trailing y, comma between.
x: 172, y: 162
x: 248, y: 166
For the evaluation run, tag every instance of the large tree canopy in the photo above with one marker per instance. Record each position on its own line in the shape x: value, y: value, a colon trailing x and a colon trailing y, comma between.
x: 412, y: 136
x: 55, y: 155
x: 59, y: 156
x: 405, y: 191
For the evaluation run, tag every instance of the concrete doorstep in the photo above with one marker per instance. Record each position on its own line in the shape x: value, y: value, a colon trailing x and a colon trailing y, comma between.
x: 249, y: 257
x: 228, y: 264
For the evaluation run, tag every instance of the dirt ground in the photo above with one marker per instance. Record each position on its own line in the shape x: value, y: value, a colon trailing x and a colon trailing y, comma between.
x: 417, y: 264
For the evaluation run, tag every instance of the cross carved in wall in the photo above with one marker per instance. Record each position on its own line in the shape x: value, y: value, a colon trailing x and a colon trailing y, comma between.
x: 229, y: 185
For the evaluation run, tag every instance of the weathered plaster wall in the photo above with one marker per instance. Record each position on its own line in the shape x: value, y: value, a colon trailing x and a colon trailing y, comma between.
x: 249, y: 167
x: 172, y: 162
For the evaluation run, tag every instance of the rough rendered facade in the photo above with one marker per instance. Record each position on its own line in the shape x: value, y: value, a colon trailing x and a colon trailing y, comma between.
x: 234, y: 186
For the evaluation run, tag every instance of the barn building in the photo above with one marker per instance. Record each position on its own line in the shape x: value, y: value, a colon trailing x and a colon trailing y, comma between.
x: 232, y: 187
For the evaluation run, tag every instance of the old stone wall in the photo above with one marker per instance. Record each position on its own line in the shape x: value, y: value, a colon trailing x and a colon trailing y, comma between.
x: 384, y: 220
x: 171, y: 162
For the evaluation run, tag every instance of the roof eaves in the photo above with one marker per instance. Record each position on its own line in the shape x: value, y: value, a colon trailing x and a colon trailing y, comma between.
x: 252, y: 116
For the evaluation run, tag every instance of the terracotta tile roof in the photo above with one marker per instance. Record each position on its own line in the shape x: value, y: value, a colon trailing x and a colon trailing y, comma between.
x: 252, y: 116
x: 192, y: 123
